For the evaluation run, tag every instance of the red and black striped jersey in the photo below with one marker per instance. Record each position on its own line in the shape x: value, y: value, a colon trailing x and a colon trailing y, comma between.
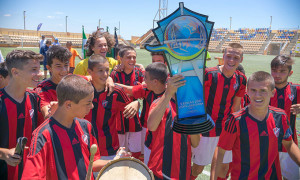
x: 131, y: 79
x: 170, y: 156
x: 220, y: 92
x: 245, y: 100
x: 17, y: 120
x: 255, y: 143
x: 148, y: 97
x: 57, y: 152
x: 104, y: 116
x: 284, y: 98
x: 47, y: 92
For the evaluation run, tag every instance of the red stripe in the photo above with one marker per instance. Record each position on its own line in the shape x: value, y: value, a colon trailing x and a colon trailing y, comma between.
x: 35, y: 135
x: 50, y: 158
x: 69, y: 158
x: 99, y: 123
x: 12, y: 124
x: 254, y: 147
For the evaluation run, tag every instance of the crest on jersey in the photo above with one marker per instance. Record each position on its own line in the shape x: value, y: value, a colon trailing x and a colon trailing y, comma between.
x: 276, y: 131
x: 135, y: 83
x: 104, y: 103
x: 85, y: 139
x: 31, y: 112
x: 291, y: 97
x: 235, y: 86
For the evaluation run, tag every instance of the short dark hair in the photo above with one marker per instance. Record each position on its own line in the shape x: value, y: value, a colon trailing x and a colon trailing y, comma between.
x: 158, y: 71
x: 157, y: 53
x: 234, y: 46
x: 69, y: 42
x: 48, y: 42
x: 282, y: 60
x: 59, y: 52
x: 18, y: 58
x: 3, y: 70
x: 118, y: 48
x: 73, y: 88
x: 96, y: 59
x: 261, y: 76
x: 125, y: 49
x: 98, y: 34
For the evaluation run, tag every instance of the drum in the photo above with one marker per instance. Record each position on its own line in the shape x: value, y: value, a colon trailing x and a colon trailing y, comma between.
x: 125, y: 169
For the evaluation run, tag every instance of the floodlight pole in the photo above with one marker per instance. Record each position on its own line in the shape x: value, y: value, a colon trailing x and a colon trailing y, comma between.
x: 230, y: 22
x: 24, y: 19
x: 99, y: 23
x: 271, y: 22
x: 66, y: 24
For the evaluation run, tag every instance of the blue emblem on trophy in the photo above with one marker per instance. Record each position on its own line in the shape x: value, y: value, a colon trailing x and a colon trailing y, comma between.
x: 184, y: 36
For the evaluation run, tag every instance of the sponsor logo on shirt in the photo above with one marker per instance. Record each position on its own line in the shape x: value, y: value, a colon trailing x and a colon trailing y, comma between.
x: 276, y: 131
x: 291, y: 97
x: 263, y: 134
x: 74, y: 141
x: 104, y: 103
x: 21, y: 116
x: 226, y: 86
x: 280, y: 97
x: 85, y: 139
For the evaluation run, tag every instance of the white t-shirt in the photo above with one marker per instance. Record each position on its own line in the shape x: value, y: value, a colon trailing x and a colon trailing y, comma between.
x: 42, y: 42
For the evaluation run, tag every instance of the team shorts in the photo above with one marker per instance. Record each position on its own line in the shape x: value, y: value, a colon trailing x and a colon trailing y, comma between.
x: 147, y: 153
x: 202, y: 155
x: 131, y: 141
x: 289, y: 169
x: 143, y: 136
x: 44, y: 64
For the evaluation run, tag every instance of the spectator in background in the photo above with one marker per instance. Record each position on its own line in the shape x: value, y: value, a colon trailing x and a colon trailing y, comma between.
x: 56, y: 42
x: 42, y: 42
x: 74, y: 54
x: 43, y: 51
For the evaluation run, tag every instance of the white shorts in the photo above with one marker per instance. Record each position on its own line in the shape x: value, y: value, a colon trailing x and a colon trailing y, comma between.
x: 202, y: 155
x: 147, y: 153
x: 131, y: 141
x: 289, y: 169
x: 108, y: 157
x: 143, y: 135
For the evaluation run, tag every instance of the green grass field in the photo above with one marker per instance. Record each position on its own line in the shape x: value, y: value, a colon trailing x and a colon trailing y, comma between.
x: 251, y: 64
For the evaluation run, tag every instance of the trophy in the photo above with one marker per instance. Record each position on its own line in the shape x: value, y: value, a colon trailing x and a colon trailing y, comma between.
x: 183, y: 36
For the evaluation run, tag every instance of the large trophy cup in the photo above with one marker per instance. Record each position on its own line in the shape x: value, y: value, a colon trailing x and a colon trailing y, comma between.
x: 184, y: 36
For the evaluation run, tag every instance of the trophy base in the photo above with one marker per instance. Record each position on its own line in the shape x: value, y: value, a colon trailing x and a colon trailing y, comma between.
x: 197, y: 125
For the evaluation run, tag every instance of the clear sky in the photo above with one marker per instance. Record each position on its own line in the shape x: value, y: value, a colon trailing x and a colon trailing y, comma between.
x: 136, y: 16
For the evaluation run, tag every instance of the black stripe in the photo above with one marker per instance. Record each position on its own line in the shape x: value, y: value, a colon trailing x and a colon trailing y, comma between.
x: 245, y: 148
x: 292, y: 116
x: 278, y: 123
x: 168, y: 146
x: 264, y: 149
x: 94, y: 113
x: 183, y: 156
x: 21, y: 121
x: 106, y: 128
x: 148, y: 139
x: 58, y: 154
x: 274, y: 172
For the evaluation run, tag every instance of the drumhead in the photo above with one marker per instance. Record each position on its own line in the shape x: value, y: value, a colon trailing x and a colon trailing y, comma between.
x: 127, y: 168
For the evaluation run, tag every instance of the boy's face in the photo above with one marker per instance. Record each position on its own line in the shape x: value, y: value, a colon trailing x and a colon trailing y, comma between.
x: 100, y: 73
x: 129, y: 60
x: 158, y: 58
x: 69, y: 46
x: 260, y: 93
x: 281, y: 74
x: 30, y: 74
x: 83, y: 107
x: 150, y: 83
x: 232, y: 58
x: 100, y: 46
x: 48, y: 45
x: 3, y: 81
x: 58, y: 70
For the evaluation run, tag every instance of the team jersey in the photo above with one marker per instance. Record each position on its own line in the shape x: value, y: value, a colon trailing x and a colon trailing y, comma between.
x: 47, y: 92
x: 131, y: 79
x: 170, y: 156
x: 220, y: 92
x: 17, y: 120
x: 245, y: 100
x: 104, y: 116
x: 255, y: 144
x: 57, y: 152
x: 284, y: 98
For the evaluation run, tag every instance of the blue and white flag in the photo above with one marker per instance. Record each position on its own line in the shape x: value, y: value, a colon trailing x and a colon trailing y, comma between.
x: 39, y: 26
x: 1, y: 57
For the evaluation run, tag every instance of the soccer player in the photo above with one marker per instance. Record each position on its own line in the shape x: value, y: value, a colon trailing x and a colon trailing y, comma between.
x: 287, y: 97
x: 158, y: 57
x: 3, y: 75
x: 60, y: 146
x: 224, y: 88
x: 130, y: 129
x: 74, y: 54
x: 43, y: 51
x: 58, y: 64
x: 156, y: 75
x: 98, y: 43
x: 255, y: 133
x: 106, y: 109
x: 170, y: 156
x: 18, y: 109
